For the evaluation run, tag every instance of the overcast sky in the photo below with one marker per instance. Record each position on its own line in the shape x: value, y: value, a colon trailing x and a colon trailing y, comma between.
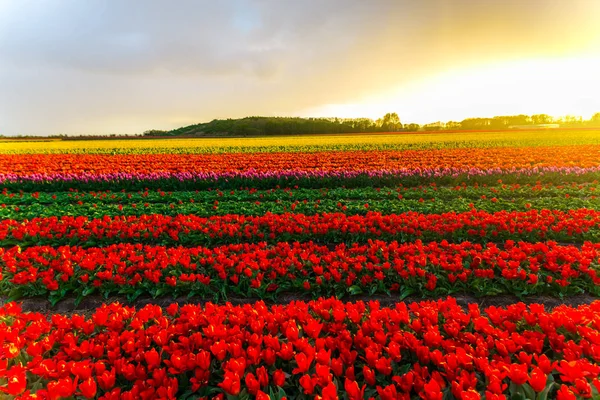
x: 87, y: 66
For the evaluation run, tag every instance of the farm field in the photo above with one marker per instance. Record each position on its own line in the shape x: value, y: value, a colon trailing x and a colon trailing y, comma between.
x: 369, y: 141
x: 282, y: 246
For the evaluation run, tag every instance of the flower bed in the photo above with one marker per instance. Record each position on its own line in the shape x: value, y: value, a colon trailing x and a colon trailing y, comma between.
x: 362, y: 168
x: 323, y: 349
x: 428, y: 199
x: 476, y: 226
x: 264, y: 271
x: 364, y: 221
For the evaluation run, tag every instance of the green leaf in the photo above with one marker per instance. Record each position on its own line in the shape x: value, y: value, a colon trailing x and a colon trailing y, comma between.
x: 543, y: 395
x: 131, y: 297
x: 78, y: 300
x: 406, y: 291
x: 595, y: 393
x: 529, y: 392
x: 518, y: 396
x: 54, y: 298
x: 186, y: 395
x: 354, y: 290
x: 277, y: 395
x: 15, y: 293
x: 516, y: 392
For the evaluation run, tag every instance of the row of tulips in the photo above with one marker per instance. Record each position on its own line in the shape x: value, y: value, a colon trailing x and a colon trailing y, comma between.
x: 349, y: 207
x: 474, y: 191
x: 323, y: 349
x: 262, y: 271
x: 352, y: 168
x: 305, y: 143
x: 506, y: 158
x: 477, y: 226
x: 317, y: 180
x: 317, y: 201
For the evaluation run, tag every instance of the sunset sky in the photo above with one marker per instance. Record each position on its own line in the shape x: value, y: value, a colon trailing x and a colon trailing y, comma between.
x: 102, y: 67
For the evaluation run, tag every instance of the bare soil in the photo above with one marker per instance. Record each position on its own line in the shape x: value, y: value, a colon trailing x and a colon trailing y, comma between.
x: 90, y: 303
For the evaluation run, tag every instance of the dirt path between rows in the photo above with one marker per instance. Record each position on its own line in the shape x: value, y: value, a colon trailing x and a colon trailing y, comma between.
x: 89, y: 304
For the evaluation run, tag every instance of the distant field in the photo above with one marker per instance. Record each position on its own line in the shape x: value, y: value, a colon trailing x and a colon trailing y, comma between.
x: 397, y: 141
x: 123, y: 233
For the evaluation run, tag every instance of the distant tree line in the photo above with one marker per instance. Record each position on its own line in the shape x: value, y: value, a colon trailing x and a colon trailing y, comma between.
x: 390, y: 122
x: 272, y: 126
x: 513, y: 121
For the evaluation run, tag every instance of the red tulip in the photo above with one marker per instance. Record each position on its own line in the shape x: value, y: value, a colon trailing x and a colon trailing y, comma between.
x: 384, y: 366
x: 565, y: 394
x: 307, y: 384
x: 64, y: 387
x: 518, y: 373
x: 231, y: 383
x: 152, y: 359
x: 252, y: 383
x: 303, y: 363
x: 260, y: 395
x: 279, y: 378
x: 369, y: 375
x: 106, y: 381
x: 353, y: 391
x: 17, y: 381
x: 88, y: 388
x: 330, y: 392
x: 537, y: 379
x: 387, y: 393
x: 432, y: 391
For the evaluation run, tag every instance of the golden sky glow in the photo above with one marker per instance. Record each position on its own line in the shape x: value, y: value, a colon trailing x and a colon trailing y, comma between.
x: 554, y: 86
x: 117, y: 67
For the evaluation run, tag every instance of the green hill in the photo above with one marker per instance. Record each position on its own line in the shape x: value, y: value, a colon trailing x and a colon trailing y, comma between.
x: 271, y: 126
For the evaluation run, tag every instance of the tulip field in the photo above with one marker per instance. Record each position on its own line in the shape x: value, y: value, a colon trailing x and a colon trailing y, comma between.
x: 262, y: 263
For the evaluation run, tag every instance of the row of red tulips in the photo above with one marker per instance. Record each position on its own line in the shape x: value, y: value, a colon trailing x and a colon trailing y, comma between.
x: 480, y: 226
x: 323, y: 349
x: 262, y: 271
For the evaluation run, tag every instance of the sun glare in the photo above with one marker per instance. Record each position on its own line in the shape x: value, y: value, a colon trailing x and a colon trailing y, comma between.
x: 557, y: 87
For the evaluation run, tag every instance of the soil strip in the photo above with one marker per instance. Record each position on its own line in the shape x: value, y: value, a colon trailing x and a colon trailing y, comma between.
x: 90, y: 303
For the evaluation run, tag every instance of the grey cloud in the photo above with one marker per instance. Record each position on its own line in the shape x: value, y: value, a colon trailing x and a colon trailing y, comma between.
x: 77, y: 66
x: 191, y: 37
